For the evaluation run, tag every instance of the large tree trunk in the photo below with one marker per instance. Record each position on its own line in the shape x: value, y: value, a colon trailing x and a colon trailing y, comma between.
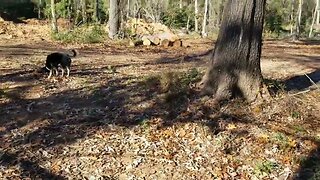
x: 235, y: 63
x: 113, y: 18
x: 53, y: 17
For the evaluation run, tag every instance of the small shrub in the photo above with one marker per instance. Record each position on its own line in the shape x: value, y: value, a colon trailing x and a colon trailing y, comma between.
x: 95, y: 35
x: 175, y: 86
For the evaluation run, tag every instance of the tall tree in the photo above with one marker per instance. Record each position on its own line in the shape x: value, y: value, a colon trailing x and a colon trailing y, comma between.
x: 39, y: 9
x: 291, y: 16
x: 114, y: 18
x: 318, y: 12
x: 196, y: 23
x: 128, y: 8
x: 205, y: 15
x: 235, y: 63
x: 313, y: 20
x: 96, y: 11
x: 84, y: 11
x: 298, y: 22
x: 53, y: 17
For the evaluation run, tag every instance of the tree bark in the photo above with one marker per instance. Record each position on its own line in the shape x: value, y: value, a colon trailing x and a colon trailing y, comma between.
x: 113, y: 19
x: 235, y: 62
x: 53, y: 17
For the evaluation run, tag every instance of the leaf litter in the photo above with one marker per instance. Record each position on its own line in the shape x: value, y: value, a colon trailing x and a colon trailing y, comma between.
x: 135, y: 114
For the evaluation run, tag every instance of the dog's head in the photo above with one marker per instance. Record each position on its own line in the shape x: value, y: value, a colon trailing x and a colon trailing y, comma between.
x: 43, y: 70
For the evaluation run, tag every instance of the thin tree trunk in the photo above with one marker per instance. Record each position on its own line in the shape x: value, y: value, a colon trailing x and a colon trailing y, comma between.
x: 113, y: 19
x: 298, y: 24
x: 292, y: 17
x: 180, y: 4
x: 69, y: 11
x: 84, y: 11
x: 128, y: 9
x: 39, y: 9
x: 204, y: 24
x: 313, y: 20
x: 235, y: 63
x: 96, y: 11
x: 53, y: 17
x: 196, y: 23
x: 188, y: 23
x: 318, y: 11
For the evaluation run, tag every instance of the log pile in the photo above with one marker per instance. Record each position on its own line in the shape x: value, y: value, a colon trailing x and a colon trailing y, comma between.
x: 151, y: 34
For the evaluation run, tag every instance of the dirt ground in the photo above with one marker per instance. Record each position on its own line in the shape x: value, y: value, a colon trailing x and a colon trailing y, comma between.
x: 106, y: 122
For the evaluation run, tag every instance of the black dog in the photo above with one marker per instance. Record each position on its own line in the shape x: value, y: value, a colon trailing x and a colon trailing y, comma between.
x: 56, y: 60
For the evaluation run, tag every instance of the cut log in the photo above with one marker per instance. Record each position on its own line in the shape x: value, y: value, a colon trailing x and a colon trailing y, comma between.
x: 165, y: 43
x: 153, y: 39
x: 134, y: 43
x: 156, y: 41
x: 177, y: 43
x: 146, y: 42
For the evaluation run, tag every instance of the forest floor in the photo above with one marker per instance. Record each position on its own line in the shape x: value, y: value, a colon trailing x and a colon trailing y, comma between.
x: 134, y: 113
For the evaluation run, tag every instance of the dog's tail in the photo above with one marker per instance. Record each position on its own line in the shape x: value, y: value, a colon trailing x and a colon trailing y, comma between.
x: 75, y: 53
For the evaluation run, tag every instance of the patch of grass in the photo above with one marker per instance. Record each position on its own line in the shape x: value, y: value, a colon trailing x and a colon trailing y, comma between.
x: 91, y: 34
x: 298, y: 128
x: 280, y: 137
x: 284, y: 142
x: 173, y: 82
x: 295, y: 114
x: 266, y: 167
x: 177, y: 85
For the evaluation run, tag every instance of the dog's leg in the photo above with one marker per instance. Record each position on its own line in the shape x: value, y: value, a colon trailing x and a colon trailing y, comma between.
x: 56, y: 71
x: 68, y: 71
x: 62, y: 71
x: 50, y: 73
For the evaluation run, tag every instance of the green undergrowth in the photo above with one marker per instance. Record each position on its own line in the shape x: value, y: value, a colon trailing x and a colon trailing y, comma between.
x: 84, y: 34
